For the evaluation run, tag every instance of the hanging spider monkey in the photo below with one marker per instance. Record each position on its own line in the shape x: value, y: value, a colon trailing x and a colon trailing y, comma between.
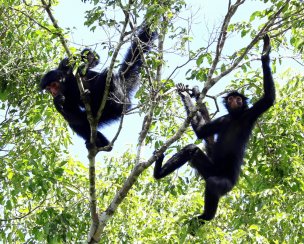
x: 62, y: 84
x: 221, y: 166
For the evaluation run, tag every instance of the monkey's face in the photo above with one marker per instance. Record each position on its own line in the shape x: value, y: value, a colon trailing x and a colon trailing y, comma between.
x: 53, y: 88
x: 235, y: 102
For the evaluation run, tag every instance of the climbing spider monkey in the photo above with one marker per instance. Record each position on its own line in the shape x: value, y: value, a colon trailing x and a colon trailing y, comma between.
x: 220, y: 166
x: 62, y: 84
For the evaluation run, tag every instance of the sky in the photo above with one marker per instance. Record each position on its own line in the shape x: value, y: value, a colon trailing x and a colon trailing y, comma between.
x: 70, y: 14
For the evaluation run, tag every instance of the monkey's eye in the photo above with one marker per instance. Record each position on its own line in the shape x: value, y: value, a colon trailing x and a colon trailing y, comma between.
x: 238, y: 99
x: 230, y: 99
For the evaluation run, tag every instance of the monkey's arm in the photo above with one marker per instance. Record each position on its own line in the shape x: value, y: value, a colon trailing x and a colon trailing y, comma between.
x: 269, y: 89
x: 183, y: 91
x: 204, y: 130
x: 201, y: 117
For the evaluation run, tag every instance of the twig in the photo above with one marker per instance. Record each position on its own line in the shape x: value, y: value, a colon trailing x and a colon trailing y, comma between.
x: 32, y: 19
x: 61, y: 38
x: 263, y: 30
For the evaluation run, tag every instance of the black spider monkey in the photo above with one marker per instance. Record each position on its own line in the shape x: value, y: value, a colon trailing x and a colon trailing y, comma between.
x: 62, y: 84
x: 220, y: 168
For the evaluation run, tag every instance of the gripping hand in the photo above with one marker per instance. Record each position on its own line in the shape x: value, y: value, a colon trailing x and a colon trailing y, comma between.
x: 266, y: 49
x: 183, y: 90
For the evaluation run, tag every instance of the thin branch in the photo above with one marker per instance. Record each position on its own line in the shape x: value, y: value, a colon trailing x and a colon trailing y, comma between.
x: 184, y: 64
x: 125, y: 103
x: 47, y: 8
x: 263, y: 31
x: 216, y: 105
x: 25, y: 215
x: 137, y: 170
x: 161, y: 53
x: 111, y: 67
x: 223, y: 35
x: 94, y: 233
x: 145, y: 129
x: 32, y: 19
x: 122, y: 193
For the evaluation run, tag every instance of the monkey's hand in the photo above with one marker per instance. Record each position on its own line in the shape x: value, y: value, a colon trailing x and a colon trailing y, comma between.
x: 59, y: 101
x: 183, y: 90
x: 266, y: 48
x: 195, y: 92
x: 160, y: 158
x: 90, y: 57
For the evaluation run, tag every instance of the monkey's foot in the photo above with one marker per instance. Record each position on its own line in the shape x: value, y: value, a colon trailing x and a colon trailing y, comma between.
x: 194, y: 224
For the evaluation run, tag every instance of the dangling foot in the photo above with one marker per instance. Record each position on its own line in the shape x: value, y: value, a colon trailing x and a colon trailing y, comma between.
x: 194, y: 224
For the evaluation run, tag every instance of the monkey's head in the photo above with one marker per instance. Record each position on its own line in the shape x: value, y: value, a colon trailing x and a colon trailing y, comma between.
x: 235, y: 103
x: 51, y: 82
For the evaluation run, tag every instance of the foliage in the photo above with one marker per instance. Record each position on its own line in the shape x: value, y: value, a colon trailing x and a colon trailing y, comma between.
x: 31, y: 169
x: 45, y: 193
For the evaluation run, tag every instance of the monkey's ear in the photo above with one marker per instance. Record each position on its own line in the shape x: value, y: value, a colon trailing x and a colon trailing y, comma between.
x: 90, y: 57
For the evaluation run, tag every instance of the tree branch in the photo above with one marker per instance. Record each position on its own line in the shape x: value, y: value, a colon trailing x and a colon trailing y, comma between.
x: 211, y: 81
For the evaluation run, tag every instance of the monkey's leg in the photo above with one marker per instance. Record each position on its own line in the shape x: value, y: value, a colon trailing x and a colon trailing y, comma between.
x: 175, y: 162
x: 216, y: 187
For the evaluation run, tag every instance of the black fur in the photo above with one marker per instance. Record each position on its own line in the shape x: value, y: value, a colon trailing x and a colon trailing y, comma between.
x: 123, y: 83
x: 220, y: 168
